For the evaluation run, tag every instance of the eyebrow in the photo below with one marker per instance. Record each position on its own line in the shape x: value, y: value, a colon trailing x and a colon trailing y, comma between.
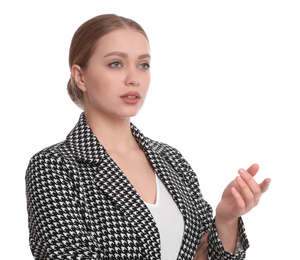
x: 125, y: 55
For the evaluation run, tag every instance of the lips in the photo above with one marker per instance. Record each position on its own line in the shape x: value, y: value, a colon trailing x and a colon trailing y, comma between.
x: 131, y: 97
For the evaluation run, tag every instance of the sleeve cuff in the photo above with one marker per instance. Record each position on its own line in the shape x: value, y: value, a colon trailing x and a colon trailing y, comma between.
x: 216, y: 249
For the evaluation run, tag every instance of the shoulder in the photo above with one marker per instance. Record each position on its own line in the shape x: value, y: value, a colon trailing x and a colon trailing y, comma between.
x: 51, y: 152
x: 49, y: 159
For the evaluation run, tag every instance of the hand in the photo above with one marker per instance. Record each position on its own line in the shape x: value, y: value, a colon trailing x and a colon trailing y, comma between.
x: 201, y: 253
x: 241, y: 195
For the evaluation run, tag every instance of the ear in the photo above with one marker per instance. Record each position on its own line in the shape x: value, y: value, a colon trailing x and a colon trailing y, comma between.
x: 78, y: 76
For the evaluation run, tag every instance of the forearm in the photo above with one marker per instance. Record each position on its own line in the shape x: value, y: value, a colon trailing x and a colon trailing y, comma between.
x: 228, y: 233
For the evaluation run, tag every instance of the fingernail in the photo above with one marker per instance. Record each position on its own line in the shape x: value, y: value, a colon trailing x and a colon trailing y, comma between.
x: 239, y: 179
x: 242, y: 171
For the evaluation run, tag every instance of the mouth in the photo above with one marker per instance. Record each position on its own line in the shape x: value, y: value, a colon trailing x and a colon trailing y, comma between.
x: 132, y: 97
x: 132, y: 94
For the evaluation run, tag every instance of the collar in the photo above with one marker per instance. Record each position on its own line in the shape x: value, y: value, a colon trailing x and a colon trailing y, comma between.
x: 87, y: 148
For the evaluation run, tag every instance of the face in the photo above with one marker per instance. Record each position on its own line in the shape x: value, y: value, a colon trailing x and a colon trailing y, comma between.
x: 117, y: 77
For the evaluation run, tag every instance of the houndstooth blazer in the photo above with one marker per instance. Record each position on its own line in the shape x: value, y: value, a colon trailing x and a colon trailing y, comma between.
x: 82, y: 206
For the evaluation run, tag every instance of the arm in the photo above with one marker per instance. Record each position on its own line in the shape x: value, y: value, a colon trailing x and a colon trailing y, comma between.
x: 239, y: 197
x: 228, y: 233
x: 227, y: 230
x: 56, y: 227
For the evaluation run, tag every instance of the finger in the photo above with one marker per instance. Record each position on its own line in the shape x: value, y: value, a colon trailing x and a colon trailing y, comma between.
x: 253, y: 169
x: 247, y: 194
x: 264, y: 186
x: 203, y: 247
x: 240, y: 204
x: 252, y: 184
x: 204, y: 238
x: 201, y: 253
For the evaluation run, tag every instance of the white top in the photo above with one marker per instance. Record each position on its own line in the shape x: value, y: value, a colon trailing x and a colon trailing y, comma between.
x: 169, y: 221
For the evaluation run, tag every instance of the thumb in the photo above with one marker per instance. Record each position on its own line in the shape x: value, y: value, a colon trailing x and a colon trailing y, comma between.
x: 265, y: 185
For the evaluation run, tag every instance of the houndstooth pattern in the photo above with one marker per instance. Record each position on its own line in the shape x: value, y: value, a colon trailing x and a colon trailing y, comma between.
x: 82, y: 206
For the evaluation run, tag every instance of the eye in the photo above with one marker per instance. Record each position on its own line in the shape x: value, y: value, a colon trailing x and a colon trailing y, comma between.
x: 145, y: 66
x: 115, y: 64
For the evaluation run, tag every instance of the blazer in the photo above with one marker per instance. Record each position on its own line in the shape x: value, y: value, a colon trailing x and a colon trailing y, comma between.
x: 81, y: 205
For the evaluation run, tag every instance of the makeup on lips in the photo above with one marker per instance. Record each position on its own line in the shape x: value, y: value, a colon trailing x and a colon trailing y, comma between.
x: 131, y: 97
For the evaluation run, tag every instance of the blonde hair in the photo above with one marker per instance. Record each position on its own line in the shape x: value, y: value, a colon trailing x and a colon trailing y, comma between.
x: 84, y: 41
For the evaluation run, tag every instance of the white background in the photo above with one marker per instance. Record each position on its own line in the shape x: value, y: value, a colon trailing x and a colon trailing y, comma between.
x: 224, y: 91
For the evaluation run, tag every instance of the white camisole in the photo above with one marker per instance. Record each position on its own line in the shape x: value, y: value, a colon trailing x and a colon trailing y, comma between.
x: 169, y: 221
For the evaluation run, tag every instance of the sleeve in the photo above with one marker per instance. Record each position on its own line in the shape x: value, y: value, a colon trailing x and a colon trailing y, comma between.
x: 56, y: 227
x: 215, y: 248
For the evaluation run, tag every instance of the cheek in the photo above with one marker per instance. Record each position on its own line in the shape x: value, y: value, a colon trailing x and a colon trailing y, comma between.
x: 146, y: 78
x: 100, y: 83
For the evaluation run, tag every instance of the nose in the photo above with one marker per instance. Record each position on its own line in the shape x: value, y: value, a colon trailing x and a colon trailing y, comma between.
x: 132, y: 77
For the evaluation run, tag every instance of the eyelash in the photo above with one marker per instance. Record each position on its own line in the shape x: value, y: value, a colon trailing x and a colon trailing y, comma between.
x: 147, y: 64
x: 119, y: 64
x: 114, y: 63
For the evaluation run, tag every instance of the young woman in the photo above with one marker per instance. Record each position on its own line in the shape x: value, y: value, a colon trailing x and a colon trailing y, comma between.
x: 109, y: 192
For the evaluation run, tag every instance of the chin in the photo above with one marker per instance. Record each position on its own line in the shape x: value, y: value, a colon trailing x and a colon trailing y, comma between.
x: 131, y: 112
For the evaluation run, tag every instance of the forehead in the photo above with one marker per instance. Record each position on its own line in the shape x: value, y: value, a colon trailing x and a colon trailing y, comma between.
x: 123, y: 40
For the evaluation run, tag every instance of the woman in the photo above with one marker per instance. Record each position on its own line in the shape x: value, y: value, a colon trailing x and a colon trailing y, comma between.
x: 109, y: 192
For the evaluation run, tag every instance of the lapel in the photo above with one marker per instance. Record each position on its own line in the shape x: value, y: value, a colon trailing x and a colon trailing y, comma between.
x: 163, y: 169
x: 112, y: 181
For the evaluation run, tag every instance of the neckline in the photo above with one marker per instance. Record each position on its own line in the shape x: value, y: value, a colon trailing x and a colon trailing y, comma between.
x: 157, y: 194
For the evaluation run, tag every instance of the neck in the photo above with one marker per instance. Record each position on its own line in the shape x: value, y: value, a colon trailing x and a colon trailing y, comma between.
x: 113, y: 133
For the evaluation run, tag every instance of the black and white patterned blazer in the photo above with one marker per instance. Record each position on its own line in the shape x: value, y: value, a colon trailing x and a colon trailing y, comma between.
x: 81, y: 205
